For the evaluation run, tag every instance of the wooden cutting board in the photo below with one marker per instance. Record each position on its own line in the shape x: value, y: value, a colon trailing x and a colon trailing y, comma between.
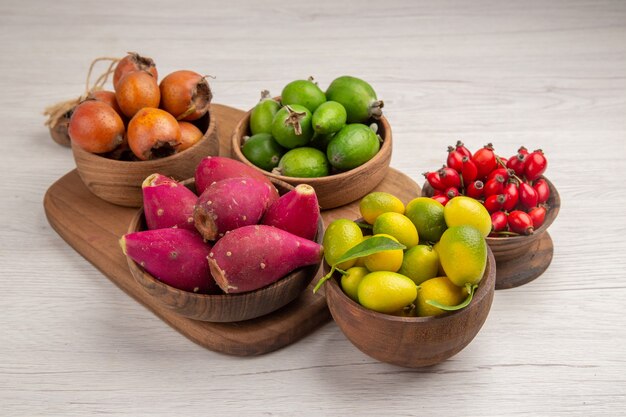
x: 93, y: 228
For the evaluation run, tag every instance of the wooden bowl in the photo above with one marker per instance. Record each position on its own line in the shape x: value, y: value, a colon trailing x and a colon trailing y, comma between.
x: 411, y: 342
x: 337, y: 189
x: 521, y: 259
x: 225, y: 307
x: 119, y: 182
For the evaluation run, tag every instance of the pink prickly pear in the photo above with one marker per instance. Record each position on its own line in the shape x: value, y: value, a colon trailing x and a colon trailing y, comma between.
x: 178, y: 257
x: 297, y: 212
x: 167, y: 203
x: 232, y: 203
x: 216, y: 168
x: 252, y: 257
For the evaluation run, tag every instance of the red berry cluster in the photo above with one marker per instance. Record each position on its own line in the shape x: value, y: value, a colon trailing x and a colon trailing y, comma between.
x: 511, y: 189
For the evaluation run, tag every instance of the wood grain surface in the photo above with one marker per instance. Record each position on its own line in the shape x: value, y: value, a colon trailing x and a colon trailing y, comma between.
x: 544, y: 74
x: 78, y: 215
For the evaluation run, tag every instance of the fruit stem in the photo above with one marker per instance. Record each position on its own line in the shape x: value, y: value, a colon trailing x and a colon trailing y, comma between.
x: 511, y: 172
x: 376, y: 109
x: 324, y: 279
x: 294, y: 120
x: 470, y: 294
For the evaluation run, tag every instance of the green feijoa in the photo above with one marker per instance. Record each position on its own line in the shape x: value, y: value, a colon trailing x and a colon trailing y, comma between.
x: 321, y: 141
x: 353, y: 145
x: 329, y: 117
x: 263, y: 151
x: 263, y: 113
x: 303, y: 92
x: 303, y: 163
x: 291, y: 126
x: 358, y: 98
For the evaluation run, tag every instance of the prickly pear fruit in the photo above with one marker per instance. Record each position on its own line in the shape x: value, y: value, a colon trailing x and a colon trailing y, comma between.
x: 216, y: 168
x: 174, y: 256
x: 232, y: 203
x: 166, y: 203
x: 254, y: 256
x: 297, y: 212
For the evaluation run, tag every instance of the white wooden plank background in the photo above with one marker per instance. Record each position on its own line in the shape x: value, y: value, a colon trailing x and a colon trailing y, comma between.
x: 544, y: 74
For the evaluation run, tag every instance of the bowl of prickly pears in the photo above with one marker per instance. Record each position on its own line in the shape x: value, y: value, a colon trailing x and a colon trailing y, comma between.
x: 520, y: 201
x: 335, y: 140
x: 120, y: 137
x: 228, y: 245
x: 400, y: 276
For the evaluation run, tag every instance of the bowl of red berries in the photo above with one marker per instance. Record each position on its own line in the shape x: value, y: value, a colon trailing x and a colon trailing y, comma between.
x: 522, y: 203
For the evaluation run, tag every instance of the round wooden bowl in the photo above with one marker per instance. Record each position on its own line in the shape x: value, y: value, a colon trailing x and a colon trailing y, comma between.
x: 521, y: 259
x: 58, y: 131
x: 337, y: 189
x: 411, y: 342
x: 119, y: 182
x: 225, y: 307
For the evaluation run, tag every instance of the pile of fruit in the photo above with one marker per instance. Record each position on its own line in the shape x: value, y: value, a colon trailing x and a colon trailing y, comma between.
x: 311, y: 133
x: 236, y: 235
x: 422, y: 260
x: 512, y: 190
x: 141, y: 119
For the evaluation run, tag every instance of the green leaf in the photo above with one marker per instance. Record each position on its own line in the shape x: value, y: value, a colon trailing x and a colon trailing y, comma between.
x: 370, y: 246
x: 367, y: 247
x: 470, y: 295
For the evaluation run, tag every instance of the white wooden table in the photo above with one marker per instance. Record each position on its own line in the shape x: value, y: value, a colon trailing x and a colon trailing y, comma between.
x: 542, y: 74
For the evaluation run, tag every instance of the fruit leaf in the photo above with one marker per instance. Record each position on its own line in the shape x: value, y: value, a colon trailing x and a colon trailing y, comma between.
x: 370, y: 246
x: 367, y: 247
x: 470, y: 295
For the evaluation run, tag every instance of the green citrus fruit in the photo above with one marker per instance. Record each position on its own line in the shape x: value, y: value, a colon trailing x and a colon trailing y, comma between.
x: 262, y: 115
x: 398, y: 226
x: 427, y: 216
x: 376, y: 203
x: 386, y: 292
x: 291, y: 126
x: 420, y: 263
x: 351, y: 280
x: 356, y: 96
x: 388, y: 260
x: 463, y: 254
x: 340, y: 236
x: 352, y: 146
x: 263, y: 151
x: 303, y: 163
x: 439, y: 289
x: 465, y: 210
x: 329, y: 117
x: 303, y: 92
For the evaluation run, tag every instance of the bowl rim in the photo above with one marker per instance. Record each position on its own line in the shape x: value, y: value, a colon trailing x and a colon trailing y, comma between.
x: 210, y: 131
x: 385, y: 148
x: 139, y: 217
x: 485, y: 287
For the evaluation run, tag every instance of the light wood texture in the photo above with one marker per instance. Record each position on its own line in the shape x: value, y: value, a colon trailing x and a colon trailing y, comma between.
x: 412, y: 342
x: 119, y: 182
x: 78, y: 215
x: 228, y: 307
x: 334, y: 190
x: 543, y: 74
